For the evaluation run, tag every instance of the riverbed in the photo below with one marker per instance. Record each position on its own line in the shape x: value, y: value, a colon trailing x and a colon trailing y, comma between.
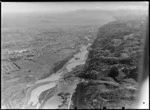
x: 57, y: 80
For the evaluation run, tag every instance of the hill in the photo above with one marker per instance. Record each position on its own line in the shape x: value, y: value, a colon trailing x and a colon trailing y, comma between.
x: 111, y: 70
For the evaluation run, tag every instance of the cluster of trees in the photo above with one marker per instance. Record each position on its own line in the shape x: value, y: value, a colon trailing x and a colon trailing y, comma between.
x: 113, y: 56
x: 114, y: 49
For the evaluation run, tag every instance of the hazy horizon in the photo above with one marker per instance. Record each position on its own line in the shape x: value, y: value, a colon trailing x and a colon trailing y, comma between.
x: 56, y: 7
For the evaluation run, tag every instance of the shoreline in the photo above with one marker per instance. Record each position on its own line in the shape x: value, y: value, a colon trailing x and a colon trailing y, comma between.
x: 58, y: 76
x: 60, y: 61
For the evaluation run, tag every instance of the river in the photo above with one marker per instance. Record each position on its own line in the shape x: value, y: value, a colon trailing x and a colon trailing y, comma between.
x: 56, y: 79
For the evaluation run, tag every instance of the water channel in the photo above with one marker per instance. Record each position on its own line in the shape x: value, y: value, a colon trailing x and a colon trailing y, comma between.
x: 56, y: 79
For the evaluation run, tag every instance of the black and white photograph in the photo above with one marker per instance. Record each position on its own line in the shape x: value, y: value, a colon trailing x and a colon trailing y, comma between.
x: 75, y: 55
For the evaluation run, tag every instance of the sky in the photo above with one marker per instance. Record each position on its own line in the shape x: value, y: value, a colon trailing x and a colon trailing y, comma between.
x: 53, y: 7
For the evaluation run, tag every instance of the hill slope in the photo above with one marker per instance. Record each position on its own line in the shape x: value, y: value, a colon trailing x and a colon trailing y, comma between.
x: 110, y: 72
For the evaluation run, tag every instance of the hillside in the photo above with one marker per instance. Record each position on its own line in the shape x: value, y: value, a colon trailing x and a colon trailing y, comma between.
x: 111, y: 71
